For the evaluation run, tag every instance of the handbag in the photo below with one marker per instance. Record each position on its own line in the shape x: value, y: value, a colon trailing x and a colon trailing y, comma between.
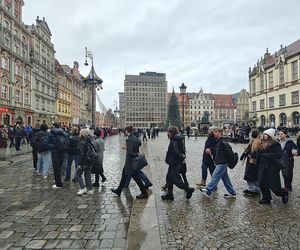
x: 139, y: 162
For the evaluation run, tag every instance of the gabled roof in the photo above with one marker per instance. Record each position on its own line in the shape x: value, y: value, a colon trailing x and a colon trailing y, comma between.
x: 44, y: 24
x: 223, y: 101
x: 206, y: 95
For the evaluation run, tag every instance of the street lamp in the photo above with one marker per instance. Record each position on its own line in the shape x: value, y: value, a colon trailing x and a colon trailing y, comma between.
x: 93, y: 80
x: 182, y: 93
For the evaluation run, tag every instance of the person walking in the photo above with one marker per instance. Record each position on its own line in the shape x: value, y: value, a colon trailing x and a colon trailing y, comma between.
x: 132, y: 151
x: 207, y: 158
x: 33, y: 138
x: 269, y: 164
x: 19, y: 133
x: 73, y: 153
x: 289, y: 150
x: 43, y: 149
x: 174, y: 158
x: 87, y: 156
x: 11, y: 136
x: 251, y: 170
x: 97, y: 167
x: 221, y: 156
x: 59, y: 144
x: 144, y: 135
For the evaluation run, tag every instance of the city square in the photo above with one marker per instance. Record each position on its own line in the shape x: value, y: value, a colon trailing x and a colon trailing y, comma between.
x: 34, y: 216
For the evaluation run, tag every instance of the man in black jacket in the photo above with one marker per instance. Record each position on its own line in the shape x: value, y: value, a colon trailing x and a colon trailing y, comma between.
x: 132, y: 151
x: 223, y: 150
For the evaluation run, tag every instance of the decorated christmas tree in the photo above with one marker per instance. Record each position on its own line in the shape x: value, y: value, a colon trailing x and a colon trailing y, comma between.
x: 173, y: 118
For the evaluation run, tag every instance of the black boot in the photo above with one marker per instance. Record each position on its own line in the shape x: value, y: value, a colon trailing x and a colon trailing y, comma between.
x: 116, y: 191
x: 189, y: 192
x: 168, y: 196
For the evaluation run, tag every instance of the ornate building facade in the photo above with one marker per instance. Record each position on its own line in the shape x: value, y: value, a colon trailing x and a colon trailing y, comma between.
x: 200, y: 103
x: 44, y: 87
x: 15, y: 67
x: 241, y: 101
x: 224, y: 109
x: 274, y: 85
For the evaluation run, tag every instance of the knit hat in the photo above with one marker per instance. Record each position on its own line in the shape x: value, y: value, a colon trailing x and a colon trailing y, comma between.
x: 85, y: 132
x: 270, y: 132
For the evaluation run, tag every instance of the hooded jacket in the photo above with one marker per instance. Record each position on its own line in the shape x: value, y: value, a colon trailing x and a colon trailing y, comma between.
x: 54, y: 133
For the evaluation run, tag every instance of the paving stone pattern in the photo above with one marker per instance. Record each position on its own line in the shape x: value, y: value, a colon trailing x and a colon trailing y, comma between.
x: 34, y: 216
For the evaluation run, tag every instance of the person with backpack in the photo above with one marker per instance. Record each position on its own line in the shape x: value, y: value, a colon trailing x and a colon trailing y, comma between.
x: 87, y: 156
x: 59, y: 144
x: 97, y: 168
x: 222, y: 156
x: 43, y: 149
x: 175, y: 158
x: 73, y: 153
x: 289, y: 150
x: 269, y: 164
x: 33, y: 137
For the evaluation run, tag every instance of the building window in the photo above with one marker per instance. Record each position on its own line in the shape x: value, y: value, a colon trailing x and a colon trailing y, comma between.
x: 294, y: 70
x: 253, y: 86
x: 18, y: 95
x: 4, y: 92
x: 282, y: 100
x: 281, y: 74
x: 271, y: 102
x: 271, y: 81
x: 27, y: 75
x: 43, y: 104
x: 17, y: 69
x: 254, y: 105
x: 295, y: 97
x: 261, y: 78
x: 262, y: 104
x: 26, y: 100
x: 4, y: 63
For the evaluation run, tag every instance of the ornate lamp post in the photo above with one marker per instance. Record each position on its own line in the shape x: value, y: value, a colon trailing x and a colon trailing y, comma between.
x: 92, y: 80
x: 182, y: 93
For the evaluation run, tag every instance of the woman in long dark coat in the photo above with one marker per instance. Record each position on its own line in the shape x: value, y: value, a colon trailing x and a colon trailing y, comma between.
x: 174, y: 159
x: 251, y: 170
x: 97, y: 168
x: 269, y: 165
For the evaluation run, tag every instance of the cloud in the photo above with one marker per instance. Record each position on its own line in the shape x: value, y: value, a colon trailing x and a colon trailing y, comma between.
x: 203, y: 43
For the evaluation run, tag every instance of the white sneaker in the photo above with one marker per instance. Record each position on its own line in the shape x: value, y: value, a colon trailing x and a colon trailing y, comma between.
x: 45, y: 177
x: 229, y: 196
x: 205, y: 192
x: 90, y: 191
x: 81, y: 191
x: 56, y: 187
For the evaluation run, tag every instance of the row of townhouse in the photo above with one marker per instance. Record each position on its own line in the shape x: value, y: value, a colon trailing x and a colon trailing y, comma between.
x: 34, y: 87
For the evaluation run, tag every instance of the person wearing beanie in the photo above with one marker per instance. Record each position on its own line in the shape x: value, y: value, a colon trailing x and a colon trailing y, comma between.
x: 269, y: 164
x: 289, y: 149
x: 251, y: 172
x: 87, y: 156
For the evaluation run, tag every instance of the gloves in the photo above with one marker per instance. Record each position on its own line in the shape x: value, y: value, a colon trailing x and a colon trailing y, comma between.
x: 243, y: 156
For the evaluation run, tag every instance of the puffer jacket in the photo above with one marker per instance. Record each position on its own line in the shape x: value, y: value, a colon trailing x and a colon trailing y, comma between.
x: 74, y: 140
x: 53, y: 137
x: 176, y: 152
x: 223, y: 149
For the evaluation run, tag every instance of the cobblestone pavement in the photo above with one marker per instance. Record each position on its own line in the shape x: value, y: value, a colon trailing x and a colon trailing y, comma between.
x: 34, y: 216
x: 217, y: 223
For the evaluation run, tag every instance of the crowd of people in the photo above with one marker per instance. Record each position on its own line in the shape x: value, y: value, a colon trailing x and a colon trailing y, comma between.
x: 265, y: 156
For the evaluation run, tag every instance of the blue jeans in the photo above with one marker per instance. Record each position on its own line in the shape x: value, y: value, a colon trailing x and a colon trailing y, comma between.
x: 43, y: 163
x: 71, y: 158
x: 142, y: 176
x: 253, y: 186
x: 219, y: 173
x: 204, y: 168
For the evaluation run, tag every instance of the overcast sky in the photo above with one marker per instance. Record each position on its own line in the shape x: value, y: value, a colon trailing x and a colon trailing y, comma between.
x: 202, y: 43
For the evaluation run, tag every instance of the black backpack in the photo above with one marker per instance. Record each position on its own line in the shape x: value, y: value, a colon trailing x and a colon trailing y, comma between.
x: 90, y: 152
x: 43, y: 142
x: 233, y: 160
x: 62, y: 142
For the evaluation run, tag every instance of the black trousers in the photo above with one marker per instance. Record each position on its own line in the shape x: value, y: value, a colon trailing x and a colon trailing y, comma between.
x: 35, y: 158
x: 174, y: 178
x: 97, y: 177
x: 57, y: 162
x: 271, y: 181
x: 287, y: 174
x: 136, y: 178
x: 18, y: 142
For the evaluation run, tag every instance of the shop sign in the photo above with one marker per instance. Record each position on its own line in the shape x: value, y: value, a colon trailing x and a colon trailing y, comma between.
x: 2, y: 110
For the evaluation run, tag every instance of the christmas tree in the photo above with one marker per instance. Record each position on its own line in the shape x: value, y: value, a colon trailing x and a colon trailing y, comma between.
x: 173, y: 118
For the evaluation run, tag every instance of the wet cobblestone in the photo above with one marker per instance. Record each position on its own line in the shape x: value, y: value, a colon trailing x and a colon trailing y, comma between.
x: 34, y: 216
